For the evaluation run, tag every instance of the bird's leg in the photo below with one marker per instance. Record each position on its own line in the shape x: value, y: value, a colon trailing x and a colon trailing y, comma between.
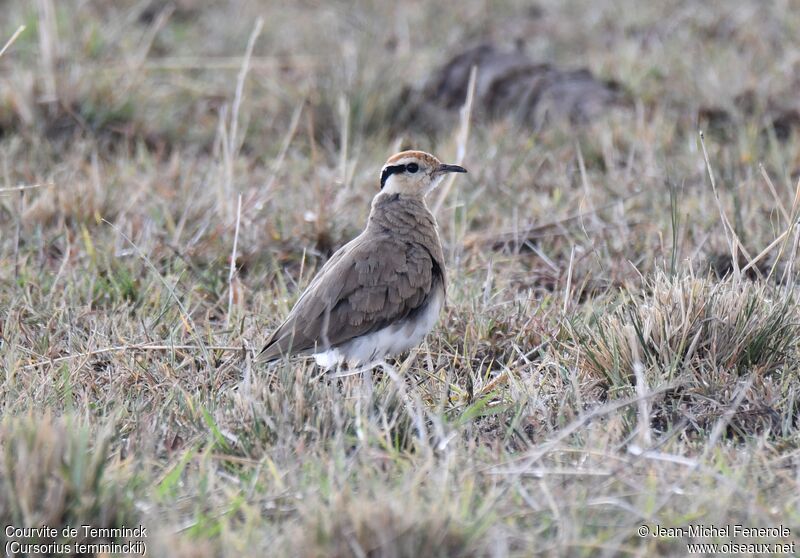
x: 367, y: 385
x: 412, y: 403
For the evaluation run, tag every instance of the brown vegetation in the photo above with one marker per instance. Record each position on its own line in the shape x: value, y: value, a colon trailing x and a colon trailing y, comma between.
x: 620, y: 344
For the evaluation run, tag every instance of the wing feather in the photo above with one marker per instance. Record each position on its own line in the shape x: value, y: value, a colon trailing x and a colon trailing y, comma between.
x: 367, y: 285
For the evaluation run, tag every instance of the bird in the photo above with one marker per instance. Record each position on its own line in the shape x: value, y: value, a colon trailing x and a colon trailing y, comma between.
x: 381, y: 293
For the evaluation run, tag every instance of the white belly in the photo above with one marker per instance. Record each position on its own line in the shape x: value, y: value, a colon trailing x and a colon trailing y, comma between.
x: 390, y: 340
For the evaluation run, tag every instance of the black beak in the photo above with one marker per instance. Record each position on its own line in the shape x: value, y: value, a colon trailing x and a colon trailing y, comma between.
x: 442, y: 169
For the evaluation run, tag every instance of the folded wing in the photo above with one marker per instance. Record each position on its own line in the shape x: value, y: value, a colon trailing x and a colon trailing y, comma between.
x: 367, y: 285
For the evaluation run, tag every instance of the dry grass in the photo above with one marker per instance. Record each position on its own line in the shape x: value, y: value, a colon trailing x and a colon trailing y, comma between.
x: 56, y: 472
x: 701, y: 338
x: 601, y: 364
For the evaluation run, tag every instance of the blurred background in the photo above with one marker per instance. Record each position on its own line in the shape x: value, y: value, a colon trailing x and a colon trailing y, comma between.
x: 330, y: 89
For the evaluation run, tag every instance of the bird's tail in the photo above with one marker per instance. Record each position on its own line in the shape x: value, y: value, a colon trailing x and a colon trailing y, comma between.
x: 276, y: 347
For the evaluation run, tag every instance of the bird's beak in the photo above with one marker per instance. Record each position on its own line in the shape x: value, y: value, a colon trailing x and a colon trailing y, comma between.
x: 444, y: 169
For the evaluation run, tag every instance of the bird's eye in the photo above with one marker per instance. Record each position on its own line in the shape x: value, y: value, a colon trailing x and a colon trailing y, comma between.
x: 412, y: 168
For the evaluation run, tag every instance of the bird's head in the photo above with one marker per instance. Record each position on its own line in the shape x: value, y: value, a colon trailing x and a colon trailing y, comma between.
x: 414, y: 173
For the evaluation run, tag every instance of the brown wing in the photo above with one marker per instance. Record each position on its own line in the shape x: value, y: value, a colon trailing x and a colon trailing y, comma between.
x: 372, y: 284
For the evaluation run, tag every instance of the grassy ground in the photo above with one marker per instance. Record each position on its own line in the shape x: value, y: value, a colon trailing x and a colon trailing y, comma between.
x: 602, y: 362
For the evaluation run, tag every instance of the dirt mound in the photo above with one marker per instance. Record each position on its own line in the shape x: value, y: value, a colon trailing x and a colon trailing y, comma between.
x: 778, y: 113
x: 508, y: 83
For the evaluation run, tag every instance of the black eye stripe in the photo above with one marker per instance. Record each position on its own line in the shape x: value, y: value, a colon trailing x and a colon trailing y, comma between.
x: 395, y: 169
x: 389, y: 171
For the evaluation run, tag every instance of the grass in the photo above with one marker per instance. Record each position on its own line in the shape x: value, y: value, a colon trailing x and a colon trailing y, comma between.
x: 605, y: 359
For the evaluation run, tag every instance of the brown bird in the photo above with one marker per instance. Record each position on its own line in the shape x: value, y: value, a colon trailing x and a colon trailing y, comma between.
x: 382, y: 292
